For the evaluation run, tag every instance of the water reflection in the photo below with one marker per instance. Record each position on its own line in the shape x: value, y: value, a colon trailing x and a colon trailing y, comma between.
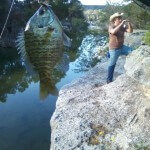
x: 88, y: 52
x: 17, y: 76
x: 50, y: 77
x: 13, y: 76
x: 28, y: 127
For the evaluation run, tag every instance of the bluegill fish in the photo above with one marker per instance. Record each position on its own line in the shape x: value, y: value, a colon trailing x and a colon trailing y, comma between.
x: 42, y: 44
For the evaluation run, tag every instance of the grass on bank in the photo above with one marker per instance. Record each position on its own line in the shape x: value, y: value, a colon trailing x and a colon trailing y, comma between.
x: 146, y: 38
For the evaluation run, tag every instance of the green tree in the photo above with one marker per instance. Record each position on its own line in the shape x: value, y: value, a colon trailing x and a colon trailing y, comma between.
x: 76, y: 16
x: 60, y: 7
x: 70, y: 11
x: 139, y: 17
x: 4, y: 5
x: 147, y: 38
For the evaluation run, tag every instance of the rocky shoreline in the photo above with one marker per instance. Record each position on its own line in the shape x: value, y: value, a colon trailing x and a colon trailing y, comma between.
x: 93, y: 115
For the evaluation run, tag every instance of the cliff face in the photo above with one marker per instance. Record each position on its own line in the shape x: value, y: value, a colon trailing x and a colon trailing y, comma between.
x: 93, y: 115
x: 138, y: 67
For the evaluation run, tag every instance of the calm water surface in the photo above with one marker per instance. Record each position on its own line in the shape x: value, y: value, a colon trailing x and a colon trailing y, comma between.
x: 24, y: 117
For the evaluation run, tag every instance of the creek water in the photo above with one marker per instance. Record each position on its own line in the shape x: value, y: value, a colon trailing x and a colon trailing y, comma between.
x: 24, y: 116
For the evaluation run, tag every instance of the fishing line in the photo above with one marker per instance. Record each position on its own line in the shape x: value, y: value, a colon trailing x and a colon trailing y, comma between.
x: 7, y: 19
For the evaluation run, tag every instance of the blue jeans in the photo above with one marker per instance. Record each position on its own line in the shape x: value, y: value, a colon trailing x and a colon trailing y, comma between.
x: 114, y: 55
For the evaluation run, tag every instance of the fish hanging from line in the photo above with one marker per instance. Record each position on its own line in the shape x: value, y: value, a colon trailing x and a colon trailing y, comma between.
x: 41, y: 44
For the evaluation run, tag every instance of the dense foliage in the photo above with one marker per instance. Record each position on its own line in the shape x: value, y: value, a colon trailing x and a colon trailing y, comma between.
x: 69, y: 11
x: 147, y: 38
x: 139, y: 16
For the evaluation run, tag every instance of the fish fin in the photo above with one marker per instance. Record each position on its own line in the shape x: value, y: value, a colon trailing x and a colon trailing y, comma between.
x: 66, y: 40
x: 46, y: 89
x: 29, y: 67
x: 20, y: 44
x: 63, y: 64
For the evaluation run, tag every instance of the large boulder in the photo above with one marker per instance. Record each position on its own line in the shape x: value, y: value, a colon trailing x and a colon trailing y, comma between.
x: 138, y: 65
x: 112, y: 116
x: 134, y: 39
x: 93, y: 115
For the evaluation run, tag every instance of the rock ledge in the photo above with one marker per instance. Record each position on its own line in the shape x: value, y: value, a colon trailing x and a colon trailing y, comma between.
x: 93, y: 115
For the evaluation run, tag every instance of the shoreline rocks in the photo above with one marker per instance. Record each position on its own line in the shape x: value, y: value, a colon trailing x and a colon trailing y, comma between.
x: 93, y: 115
x: 138, y: 67
x: 102, y: 118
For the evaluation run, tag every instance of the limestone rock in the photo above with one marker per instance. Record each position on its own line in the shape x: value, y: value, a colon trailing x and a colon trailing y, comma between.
x: 93, y: 115
x: 112, y: 116
x: 137, y: 65
x: 134, y: 39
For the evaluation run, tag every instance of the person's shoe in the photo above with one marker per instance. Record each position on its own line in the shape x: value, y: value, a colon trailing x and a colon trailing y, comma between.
x: 108, y: 81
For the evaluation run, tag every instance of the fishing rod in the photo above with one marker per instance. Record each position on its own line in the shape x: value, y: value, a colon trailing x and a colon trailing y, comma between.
x: 7, y: 19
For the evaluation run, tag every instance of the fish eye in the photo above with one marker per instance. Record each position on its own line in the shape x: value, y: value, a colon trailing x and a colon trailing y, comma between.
x: 41, y: 12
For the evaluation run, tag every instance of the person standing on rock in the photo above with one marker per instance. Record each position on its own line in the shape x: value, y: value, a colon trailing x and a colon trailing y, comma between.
x: 117, y: 28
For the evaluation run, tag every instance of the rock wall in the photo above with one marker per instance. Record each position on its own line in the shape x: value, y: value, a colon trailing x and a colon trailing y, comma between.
x: 93, y: 115
x: 138, y: 67
x: 135, y: 39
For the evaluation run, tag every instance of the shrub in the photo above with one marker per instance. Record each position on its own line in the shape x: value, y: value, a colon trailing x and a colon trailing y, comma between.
x: 147, y: 38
